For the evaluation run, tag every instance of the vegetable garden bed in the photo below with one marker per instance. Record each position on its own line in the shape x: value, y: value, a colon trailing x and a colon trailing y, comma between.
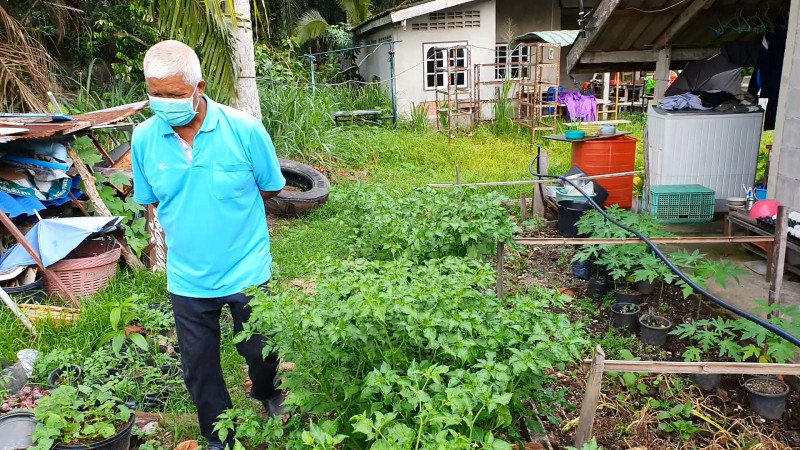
x: 658, y: 411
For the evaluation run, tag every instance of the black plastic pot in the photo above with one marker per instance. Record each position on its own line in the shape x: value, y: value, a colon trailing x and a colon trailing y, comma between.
x: 624, y: 320
x: 119, y: 441
x: 627, y: 297
x: 54, y: 377
x: 29, y: 293
x: 596, y: 288
x: 644, y: 287
x: 569, y: 213
x: 16, y: 430
x: 768, y: 406
x: 582, y: 270
x: 707, y: 382
x: 153, y: 401
x: 653, y: 335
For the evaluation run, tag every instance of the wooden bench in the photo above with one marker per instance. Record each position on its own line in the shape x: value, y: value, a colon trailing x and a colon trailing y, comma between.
x: 363, y: 115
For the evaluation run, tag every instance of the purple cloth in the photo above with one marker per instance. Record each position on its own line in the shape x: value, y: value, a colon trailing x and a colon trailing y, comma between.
x: 579, y: 106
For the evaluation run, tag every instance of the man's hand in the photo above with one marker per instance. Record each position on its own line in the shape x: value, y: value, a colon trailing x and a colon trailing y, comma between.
x: 266, y: 195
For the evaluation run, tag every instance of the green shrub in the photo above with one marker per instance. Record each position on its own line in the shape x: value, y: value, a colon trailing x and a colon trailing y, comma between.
x: 400, y: 354
x: 426, y: 223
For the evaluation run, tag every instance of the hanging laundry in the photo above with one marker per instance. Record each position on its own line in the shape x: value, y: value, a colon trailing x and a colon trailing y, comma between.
x: 579, y: 106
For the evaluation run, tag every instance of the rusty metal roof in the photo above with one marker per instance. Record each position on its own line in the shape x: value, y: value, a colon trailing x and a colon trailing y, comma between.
x: 80, y: 122
x: 112, y: 115
x: 626, y: 34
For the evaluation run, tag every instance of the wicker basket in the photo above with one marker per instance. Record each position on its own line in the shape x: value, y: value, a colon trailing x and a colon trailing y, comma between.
x: 88, y: 268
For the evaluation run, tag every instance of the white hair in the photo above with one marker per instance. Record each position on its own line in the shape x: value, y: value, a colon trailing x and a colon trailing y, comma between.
x: 169, y: 58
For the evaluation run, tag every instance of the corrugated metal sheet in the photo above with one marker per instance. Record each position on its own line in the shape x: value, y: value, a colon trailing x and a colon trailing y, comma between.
x: 641, y: 25
x: 563, y: 37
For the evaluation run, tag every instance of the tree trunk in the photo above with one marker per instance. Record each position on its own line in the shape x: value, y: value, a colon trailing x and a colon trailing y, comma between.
x: 246, y: 88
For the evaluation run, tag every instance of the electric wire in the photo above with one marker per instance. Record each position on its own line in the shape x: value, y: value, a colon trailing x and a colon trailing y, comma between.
x: 657, y: 10
x: 739, y: 312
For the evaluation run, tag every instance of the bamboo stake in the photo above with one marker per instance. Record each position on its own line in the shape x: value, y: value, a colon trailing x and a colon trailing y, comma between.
x: 102, y: 210
x: 666, y: 240
x: 15, y: 310
x: 517, y: 183
x: 501, y: 247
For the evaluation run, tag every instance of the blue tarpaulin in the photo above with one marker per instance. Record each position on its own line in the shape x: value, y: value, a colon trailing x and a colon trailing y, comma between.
x: 55, y: 238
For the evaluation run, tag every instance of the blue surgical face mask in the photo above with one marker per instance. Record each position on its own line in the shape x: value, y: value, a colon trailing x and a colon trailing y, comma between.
x: 176, y: 111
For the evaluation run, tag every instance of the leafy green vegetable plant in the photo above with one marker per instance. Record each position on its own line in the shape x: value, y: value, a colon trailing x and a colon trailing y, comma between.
x: 400, y: 354
x: 425, y: 224
x: 78, y: 415
x: 123, y: 313
x: 741, y: 339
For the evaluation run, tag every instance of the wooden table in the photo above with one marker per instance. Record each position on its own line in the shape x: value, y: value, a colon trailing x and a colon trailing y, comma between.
x: 563, y: 138
x: 737, y: 217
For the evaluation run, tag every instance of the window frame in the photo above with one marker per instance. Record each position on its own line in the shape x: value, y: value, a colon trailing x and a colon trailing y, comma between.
x: 446, y: 82
x: 511, y: 66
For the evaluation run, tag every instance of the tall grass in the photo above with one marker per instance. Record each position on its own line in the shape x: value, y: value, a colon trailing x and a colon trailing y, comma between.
x: 300, y: 120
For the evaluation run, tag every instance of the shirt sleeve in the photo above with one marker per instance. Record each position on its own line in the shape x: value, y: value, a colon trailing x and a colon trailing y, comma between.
x: 142, y: 191
x: 266, y: 168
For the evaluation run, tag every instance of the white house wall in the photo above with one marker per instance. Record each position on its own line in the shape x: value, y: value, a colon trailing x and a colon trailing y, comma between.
x: 538, y: 15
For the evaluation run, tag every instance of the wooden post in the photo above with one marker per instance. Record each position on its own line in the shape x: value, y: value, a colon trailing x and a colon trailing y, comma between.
x: 99, y: 206
x: 662, y: 72
x: 540, y: 190
x: 523, y: 206
x: 778, y: 255
x: 590, y: 399
x: 6, y: 221
x: 501, y: 248
x: 458, y: 182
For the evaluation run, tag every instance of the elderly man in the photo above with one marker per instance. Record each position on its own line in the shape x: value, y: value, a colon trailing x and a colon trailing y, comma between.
x: 207, y: 168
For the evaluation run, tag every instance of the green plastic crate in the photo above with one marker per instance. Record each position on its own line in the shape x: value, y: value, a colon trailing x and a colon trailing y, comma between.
x: 682, y: 203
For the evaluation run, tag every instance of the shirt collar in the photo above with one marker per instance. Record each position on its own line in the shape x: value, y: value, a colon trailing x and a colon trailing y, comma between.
x: 209, y: 123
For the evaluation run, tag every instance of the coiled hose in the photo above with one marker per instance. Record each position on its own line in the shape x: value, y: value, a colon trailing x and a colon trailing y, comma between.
x: 739, y: 312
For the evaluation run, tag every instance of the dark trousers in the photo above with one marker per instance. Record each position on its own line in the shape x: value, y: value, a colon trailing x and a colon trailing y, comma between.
x: 197, y: 324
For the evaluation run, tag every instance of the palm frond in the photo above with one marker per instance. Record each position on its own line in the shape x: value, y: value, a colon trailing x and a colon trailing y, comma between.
x: 357, y: 10
x: 310, y: 25
x: 25, y: 67
x: 208, y: 28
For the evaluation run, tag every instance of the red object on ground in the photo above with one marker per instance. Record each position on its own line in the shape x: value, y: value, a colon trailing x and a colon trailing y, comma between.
x: 604, y: 156
x: 764, y: 208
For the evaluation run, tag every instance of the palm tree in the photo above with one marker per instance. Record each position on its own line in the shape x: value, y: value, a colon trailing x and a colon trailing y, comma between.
x: 312, y: 24
x: 209, y: 27
x: 27, y: 70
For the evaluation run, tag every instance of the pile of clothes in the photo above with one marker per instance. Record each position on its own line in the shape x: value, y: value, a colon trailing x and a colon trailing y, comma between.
x: 720, y: 101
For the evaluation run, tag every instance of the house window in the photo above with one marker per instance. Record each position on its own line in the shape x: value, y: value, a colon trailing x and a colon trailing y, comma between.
x: 438, y: 57
x: 512, y: 59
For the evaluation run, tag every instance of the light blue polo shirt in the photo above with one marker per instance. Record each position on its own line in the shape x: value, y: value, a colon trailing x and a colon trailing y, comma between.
x: 210, y: 208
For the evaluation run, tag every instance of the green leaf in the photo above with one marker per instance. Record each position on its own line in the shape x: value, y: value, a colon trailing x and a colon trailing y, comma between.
x: 117, y: 342
x: 119, y: 180
x: 139, y: 340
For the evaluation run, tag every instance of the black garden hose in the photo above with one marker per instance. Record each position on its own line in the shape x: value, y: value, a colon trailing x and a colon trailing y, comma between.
x: 739, y: 312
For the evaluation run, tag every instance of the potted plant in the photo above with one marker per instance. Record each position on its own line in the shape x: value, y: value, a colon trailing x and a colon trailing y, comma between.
x: 767, y: 396
x: 597, y: 286
x: 624, y: 315
x: 65, y: 375
x: 654, y: 329
x: 82, y: 417
x: 705, y: 337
